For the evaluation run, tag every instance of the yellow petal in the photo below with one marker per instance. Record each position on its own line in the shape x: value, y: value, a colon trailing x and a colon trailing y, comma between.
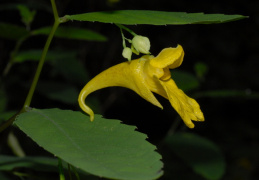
x: 126, y: 74
x: 168, y: 57
x: 186, y: 107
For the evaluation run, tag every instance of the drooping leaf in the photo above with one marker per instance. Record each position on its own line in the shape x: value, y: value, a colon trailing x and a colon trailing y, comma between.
x: 72, y: 33
x: 3, y: 100
x: 59, y: 91
x: 103, y: 147
x: 7, y: 163
x: 43, y: 165
x: 35, y: 5
x: 26, y: 15
x: 64, y: 62
x: 8, y: 6
x: 184, y: 80
x: 228, y: 93
x: 35, y: 54
x: 201, y: 69
x: 3, y: 176
x: 202, y: 155
x: 71, y: 69
x: 66, y: 93
x: 4, y: 116
x: 132, y: 17
x: 12, y: 31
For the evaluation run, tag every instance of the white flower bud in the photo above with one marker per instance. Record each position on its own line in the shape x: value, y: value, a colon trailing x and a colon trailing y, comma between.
x: 141, y: 44
x: 126, y: 53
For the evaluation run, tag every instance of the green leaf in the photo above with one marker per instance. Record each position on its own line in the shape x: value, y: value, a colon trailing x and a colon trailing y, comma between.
x: 8, y: 163
x: 64, y: 62
x: 4, y: 116
x: 201, y: 69
x: 3, y: 99
x: 66, y: 93
x: 184, y: 80
x: 132, y: 17
x: 199, y: 153
x: 35, y: 5
x: 103, y: 147
x: 35, y: 54
x: 11, y: 31
x: 3, y: 177
x: 71, y: 69
x: 228, y: 93
x: 26, y: 14
x: 8, y: 6
x: 43, y: 165
x: 59, y: 91
x: 72, y: 33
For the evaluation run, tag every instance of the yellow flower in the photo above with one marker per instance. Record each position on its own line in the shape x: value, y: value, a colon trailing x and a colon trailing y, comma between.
x: 144, y: 76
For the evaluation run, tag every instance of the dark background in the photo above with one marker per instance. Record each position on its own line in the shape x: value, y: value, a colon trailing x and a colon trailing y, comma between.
x: 229, y: 50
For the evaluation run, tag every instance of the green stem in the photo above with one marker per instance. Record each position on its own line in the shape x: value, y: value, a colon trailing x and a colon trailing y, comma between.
x: 9, y: 122
x: 43, y: 56
x: 69, y: 171
x: 14, y: 145
x: 127, y: 29
x: 40, y: 65
x: 75, y: 172
x: 39, y: 68
x: 13, y: 54
x: 54, y: 9
x: 174, y: 126
x: 21, y: 174
x: 61, y: 170
x: 123, y: 39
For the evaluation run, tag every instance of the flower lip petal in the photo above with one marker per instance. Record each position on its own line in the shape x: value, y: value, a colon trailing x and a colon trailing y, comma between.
x: 169, y: 57
x: 167, y: 74
x: 186, y: 107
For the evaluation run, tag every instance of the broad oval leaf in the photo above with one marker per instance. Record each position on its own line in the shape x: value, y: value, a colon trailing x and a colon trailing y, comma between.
x: 132, y: 17
x: 202, y: 155
x: 103, y: 147
x: 72, y: 33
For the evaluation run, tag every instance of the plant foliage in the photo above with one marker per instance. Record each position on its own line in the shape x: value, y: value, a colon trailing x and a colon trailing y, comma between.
x: 104, y: 147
